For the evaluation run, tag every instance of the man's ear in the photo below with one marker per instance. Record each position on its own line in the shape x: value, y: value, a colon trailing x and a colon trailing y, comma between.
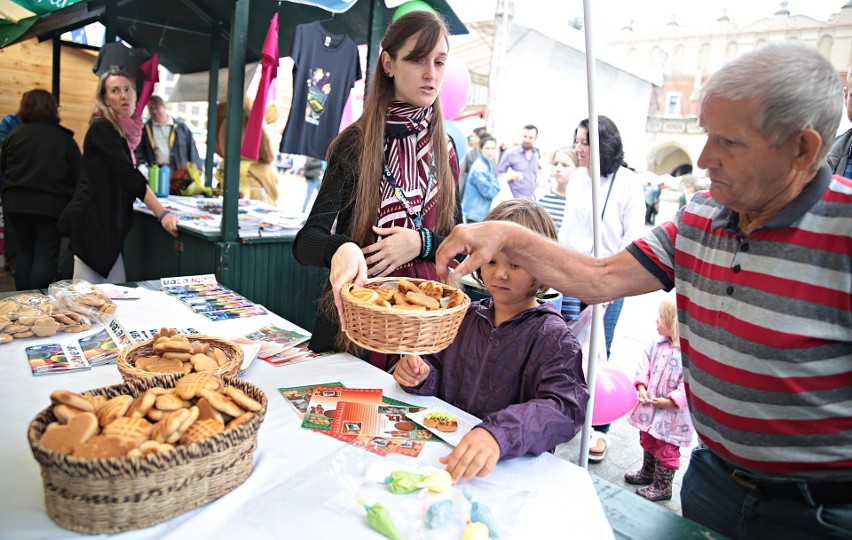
x: 808, y: 144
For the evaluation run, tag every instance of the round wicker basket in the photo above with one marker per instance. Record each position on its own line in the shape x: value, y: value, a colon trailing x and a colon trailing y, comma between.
x: 393, y: 331
x: 112, y: 495
x: 127, y: 360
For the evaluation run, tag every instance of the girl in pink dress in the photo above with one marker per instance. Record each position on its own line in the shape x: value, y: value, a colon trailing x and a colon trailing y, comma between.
x: 661, y: 415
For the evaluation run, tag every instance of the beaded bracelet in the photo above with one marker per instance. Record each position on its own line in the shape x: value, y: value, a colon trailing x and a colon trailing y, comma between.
x: 163, y: 215
x: 427, y: 243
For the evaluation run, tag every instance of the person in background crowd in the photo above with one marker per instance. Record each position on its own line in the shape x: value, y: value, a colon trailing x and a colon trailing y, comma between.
x: 519, y: 165
x: 564, y: 163
x: 100, y: 215
x: 621, y: 212
x: 652, y: 201
x: 661, y: 416
x: 166, y: 140
x: 41, y: 162
x: 763, y: 272
x: 470, y: 158
x: 841, y: 150
x: 514, y: 363
x: 388, y: 196
x: 482, y: 182
x: 313, y: 176
x: 9, y: 122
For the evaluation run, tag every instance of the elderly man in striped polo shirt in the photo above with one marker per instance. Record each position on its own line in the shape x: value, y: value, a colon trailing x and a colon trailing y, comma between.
x: 762, y: 265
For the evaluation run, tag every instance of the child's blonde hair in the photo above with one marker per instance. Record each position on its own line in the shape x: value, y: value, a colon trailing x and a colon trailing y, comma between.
x: 531, y: 215
x: 668, y: 314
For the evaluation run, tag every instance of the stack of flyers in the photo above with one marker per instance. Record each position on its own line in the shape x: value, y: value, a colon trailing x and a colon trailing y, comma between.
x: 204, y: 295
x: 273, y: 340
x: 125, y: 338
x: 137, y: 336
x: 55, y: 358
x: 388, y: 421
x: 294, y: 355
x: 299, y: 396
x: 99, y: 349
x: 324, y: 400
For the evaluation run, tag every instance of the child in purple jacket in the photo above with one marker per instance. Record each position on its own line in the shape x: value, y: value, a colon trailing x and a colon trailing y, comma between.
x: 514, y: 363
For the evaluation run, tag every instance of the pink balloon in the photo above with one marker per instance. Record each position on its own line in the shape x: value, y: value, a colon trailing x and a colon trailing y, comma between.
x: 455, y: 87
x: 615, y: 395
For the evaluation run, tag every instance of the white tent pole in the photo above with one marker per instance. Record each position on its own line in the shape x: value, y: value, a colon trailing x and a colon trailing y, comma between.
x: 595, y: 173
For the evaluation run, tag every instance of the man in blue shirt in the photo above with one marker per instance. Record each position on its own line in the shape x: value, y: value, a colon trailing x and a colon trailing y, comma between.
x: 519, y: 165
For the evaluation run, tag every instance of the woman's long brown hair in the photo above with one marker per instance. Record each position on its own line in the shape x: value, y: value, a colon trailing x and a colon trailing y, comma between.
x: 429, y: 29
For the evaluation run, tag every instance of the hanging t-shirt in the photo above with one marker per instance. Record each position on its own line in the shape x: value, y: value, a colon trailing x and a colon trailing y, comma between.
x: 325, y: 67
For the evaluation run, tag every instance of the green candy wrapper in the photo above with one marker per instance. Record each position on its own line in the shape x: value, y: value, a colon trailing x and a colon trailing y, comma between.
x: 379, y: 519
x: 401, y: 482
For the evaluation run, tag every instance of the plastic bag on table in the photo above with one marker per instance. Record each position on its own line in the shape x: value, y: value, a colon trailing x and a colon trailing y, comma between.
x: 82, y: 297
x: 582, y: 328
x: 36, y: 315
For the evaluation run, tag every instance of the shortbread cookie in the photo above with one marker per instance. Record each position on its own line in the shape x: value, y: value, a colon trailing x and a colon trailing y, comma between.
x: 72, y: 399
x: 205, y: 410
x: 131, y: 431
x: 240, y: 420
x: 242, y: 399
x: 201, y: 429
x: 114, y: 408
x: 143, y: 403
x: 61, y: 439
x: 99, y: 447
x: 202, y: 362
x: 191, y: 385
x: 222, y: 403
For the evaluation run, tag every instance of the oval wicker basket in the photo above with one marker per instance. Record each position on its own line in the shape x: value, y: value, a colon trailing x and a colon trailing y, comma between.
x: 112, y: 495
x: 393, y: 331
x: 127, y: 360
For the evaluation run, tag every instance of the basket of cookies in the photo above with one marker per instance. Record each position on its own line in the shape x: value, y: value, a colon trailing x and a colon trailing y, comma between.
x: 130, y: 456
x: 403, y: 315
x: 172, y: 353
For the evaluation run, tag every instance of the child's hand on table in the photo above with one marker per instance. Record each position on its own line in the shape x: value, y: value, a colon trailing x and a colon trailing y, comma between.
x: 476, y: 455
x: 411, y: 371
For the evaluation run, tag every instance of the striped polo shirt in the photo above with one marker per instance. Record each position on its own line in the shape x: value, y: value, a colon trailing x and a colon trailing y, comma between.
x: 766, y: 328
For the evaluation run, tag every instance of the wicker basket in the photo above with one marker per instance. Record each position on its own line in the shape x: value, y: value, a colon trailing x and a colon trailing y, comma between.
x: 129, y: 371
x: 393, y: 331
x: 112, y: 495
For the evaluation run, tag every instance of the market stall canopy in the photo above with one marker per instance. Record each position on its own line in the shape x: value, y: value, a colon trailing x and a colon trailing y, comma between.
x: 179, y: 29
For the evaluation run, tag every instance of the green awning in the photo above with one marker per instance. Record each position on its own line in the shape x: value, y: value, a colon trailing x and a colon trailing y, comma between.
x: 180, y: 30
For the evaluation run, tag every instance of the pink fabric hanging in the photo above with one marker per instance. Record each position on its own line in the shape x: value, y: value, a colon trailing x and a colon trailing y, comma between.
x: 152, y: 75
x: 268, y: 73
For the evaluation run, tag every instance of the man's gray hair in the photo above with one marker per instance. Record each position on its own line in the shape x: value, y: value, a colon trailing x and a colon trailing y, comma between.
x: 795, y: 86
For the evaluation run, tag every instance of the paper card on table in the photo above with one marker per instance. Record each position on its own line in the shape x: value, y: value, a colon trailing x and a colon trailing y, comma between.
x: 250, y: 351
x: 99, y: 348
x: 300, y: 396
x: 454, y: 437
x: 274, y: 340
x: 374, y: 445
x: 119, y: 334
x: 201, y: 279
x: 377, y: 421
x: 299, y: 353
x: 235, y: 313
x: 117, y: 292
x: 324, y: 400
x: 55, y: 358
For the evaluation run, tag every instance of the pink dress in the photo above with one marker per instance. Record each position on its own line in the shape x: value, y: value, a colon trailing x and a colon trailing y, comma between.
x: 661, y: 371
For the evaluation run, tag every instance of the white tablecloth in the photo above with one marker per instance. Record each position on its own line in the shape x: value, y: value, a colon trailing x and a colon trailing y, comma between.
x: 289, y: 490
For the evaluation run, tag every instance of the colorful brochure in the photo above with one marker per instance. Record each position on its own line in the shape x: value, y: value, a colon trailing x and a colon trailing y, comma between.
x: 273, y: 340
x: 324, y: 400
x: 56, y: 358
x: 299, y: 396
x: 99, y: 349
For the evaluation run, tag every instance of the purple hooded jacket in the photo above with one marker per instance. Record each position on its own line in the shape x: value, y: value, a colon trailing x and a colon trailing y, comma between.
x: 524, y: 378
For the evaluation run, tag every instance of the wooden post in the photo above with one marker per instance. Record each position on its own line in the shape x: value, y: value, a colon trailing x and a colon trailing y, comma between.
x: 212, y: 98
x: 234, y: 119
